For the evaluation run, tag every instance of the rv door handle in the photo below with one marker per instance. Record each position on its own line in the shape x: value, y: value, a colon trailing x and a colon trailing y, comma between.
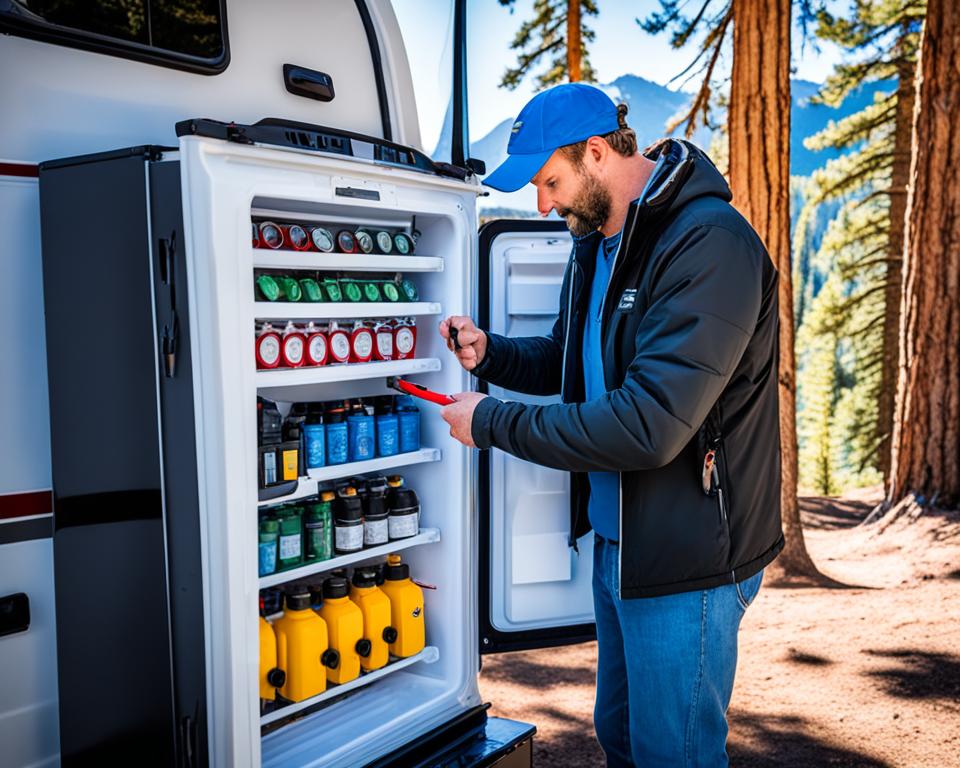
x: 310, y: 83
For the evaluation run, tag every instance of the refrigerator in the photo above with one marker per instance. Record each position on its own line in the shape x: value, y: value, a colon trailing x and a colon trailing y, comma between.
x: 151, y: 315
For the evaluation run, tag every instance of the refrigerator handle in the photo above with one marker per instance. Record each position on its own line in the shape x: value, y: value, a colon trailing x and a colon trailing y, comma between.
x: 171, y: 329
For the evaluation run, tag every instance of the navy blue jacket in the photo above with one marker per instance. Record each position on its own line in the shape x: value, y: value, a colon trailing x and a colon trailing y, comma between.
x: 690, y: 346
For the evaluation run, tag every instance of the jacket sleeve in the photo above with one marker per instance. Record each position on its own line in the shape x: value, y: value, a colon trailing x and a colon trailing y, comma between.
x: 702, y: 311
x: 532, y: 365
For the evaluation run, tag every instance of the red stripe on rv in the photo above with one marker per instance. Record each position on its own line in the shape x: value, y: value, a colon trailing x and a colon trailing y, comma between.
x: 27, y: 170
x: 25, y: 504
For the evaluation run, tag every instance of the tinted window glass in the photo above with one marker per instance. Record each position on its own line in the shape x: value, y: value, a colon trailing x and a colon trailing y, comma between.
x: 176, y: 29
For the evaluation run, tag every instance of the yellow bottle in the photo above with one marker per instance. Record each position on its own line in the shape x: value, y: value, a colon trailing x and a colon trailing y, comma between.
x: 406, y: 608
x: 271, y: 676
x: 302, y: 649
x: 375, y: 607
x: 345, y: 623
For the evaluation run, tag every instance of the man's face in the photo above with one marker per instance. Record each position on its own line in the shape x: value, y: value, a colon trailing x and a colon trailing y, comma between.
x: 575, y: 192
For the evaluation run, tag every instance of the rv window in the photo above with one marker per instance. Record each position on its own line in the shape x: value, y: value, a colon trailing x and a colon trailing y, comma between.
x: 184, y: 34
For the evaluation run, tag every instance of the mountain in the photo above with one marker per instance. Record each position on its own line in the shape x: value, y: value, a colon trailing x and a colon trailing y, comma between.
x: 652, y: 106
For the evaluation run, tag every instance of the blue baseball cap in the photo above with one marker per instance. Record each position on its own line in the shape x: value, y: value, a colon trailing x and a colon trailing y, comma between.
x: 564, y: 114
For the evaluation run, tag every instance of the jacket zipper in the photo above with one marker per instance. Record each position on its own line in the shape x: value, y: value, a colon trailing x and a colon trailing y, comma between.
x: 613, y: 271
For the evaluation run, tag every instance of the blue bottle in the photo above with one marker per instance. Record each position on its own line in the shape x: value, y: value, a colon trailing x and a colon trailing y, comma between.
x: 388, y: 428
x: 408, y: 416
x: 335, y: 426
x: 315, y: 443
x: 361, y: 438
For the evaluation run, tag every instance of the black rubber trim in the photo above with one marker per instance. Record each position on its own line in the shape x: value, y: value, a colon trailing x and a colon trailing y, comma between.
x: 374, y: 45
x: 492, y: 640
x: 452, y: 732
x: 148, y: 152
x: 110, y: 46
x: 26, y: 530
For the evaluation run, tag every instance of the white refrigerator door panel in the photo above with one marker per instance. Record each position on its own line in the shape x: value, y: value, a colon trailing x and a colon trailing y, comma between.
x: 537, y: 580
x: 222, y: 183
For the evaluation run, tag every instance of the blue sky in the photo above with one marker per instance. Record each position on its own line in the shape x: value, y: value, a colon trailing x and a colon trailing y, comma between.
x: 621, y: 47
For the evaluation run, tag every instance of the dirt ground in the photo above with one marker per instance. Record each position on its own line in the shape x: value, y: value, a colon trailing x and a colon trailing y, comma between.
x: 862, y: 675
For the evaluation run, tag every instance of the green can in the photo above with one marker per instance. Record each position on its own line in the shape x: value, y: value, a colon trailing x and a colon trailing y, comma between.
x: 371, y: 292
x: 332, y: 288
x: 267, y: 288
x: 351, y: 290
x: 409, y: 290
x: 290, y: 553
x: 289, y: 288
x: 318, y: 529
x: 391, y: 292
x: 311, y: 291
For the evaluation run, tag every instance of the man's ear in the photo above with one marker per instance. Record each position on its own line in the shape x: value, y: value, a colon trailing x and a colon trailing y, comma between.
x: 597, y: 149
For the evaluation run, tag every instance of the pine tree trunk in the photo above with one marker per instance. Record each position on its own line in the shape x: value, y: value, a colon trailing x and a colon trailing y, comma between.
x: 759, y: 133
x: 926, y: 440
x: 899, y: 177
x: 574, y: 44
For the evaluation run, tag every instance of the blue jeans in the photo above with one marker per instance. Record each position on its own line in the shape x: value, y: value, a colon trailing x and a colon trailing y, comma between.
x: 665, y: 669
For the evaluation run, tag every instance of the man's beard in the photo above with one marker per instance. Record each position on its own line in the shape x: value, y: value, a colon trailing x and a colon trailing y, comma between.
x: 590, y: 209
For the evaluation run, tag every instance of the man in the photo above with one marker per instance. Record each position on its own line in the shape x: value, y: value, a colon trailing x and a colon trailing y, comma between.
x: 665, y: 353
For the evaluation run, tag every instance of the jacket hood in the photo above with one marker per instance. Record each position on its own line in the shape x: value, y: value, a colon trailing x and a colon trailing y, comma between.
x: 683, y: 172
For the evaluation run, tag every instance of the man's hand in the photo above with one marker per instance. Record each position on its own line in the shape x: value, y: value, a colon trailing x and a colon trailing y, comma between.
x: 460, y: 416
x: 472, y: 341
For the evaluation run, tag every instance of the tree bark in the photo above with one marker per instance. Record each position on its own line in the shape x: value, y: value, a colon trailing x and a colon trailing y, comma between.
x: 759, y: 134
x: 899, y: 178
x: 574, y: 44
x: 926, y: 437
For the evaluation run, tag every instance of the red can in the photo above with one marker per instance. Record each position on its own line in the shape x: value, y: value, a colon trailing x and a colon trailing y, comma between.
x: 272, y: 235
x: 268, y: 347
x: 256, y: 235
x: 292, y: 346
x: 317, y: 345
x: 339, y: 344
x: 405, y: 339
x: 298, y: 238
x: 383, y: 348
x: 361, y: 343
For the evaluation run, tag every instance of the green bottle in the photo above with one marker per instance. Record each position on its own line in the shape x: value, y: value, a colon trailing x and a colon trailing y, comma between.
x: 311, y: 291
x: 291, y: 538
x: 289, y: 288
x: 318, y: 528
x: 268, y: 288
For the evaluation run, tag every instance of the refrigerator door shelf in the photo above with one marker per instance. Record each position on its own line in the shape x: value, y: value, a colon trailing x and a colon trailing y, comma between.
x: 428, y: 656
x: 273, y: 383
x: 372, y: 262
x: 308, y: 485
x: 426, y: 536
x: 282, y: 311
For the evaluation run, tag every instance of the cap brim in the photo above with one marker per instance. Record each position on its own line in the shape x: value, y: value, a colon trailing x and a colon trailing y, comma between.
x: 516, y: 171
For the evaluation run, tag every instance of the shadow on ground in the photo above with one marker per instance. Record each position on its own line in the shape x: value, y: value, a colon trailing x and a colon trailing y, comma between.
x: 787, y: 742
x: 919, y: 675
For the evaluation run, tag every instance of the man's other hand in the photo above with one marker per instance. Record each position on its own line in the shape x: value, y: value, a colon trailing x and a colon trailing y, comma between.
x: 472, y: 341
x: 460, y: 416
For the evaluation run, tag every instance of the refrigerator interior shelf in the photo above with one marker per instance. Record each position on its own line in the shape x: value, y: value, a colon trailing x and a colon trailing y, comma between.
x: 428, y: 655
x: 281, y: 311
x: 425, y: 536
x: 307, y: 486
x: 278, y: 378
x: 372, y: 262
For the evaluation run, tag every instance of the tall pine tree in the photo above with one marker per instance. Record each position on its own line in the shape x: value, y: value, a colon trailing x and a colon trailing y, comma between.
x: 870, y: 184
x: 557, y: 33
x: 926, y: 439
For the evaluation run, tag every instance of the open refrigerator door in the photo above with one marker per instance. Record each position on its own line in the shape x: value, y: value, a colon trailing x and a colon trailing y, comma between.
x: 403, y: 245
